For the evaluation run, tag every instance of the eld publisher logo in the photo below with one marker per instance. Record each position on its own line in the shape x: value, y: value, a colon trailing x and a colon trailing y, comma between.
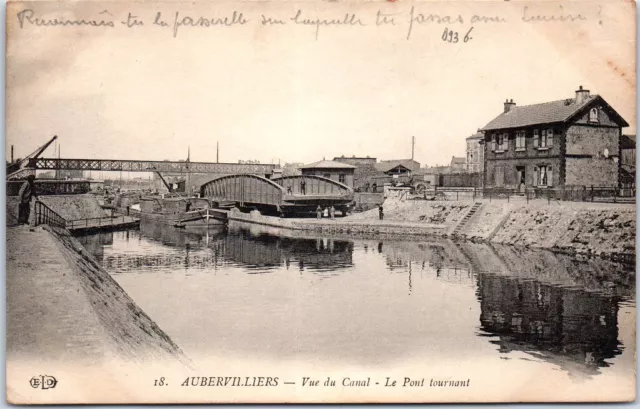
x: 43, y: 382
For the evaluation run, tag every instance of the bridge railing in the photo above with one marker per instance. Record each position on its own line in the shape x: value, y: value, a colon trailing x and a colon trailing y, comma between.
x: 43, y: 214
x: 94, y: 222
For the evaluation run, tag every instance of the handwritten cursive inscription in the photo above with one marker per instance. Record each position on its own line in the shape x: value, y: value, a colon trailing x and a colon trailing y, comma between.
x: 350, y: 19
x: 236, y: 19
x: 28, y: 16
x: 528, y: 17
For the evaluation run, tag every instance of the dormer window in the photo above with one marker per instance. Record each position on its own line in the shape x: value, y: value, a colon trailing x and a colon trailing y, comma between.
x: 593, y: 115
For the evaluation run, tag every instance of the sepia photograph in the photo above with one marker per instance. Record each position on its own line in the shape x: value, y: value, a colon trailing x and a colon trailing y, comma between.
x: 320, y: 201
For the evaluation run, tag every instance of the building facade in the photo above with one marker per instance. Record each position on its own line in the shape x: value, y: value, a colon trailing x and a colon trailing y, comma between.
x: 628, y: 161
x: 458, y: 165
x: 475, y: 153
x: 364, y: 171
x: 569, y: 142
x: 338, y: 171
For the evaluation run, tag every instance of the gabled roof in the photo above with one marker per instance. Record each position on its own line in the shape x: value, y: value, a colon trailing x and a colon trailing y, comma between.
x: 478, y: 135
x: 327, y: 164
x: 387, y: 166
x: 455, y: 160
x: 545, y: 113
x: 392, y: 163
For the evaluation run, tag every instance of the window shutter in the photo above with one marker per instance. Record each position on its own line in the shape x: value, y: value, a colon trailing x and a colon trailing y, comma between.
x: 536, y: 138
x: 535, y: 176
x: 493, y: 143
x: 549, y: 176
x: 506, y: 142
x: 550, y: 137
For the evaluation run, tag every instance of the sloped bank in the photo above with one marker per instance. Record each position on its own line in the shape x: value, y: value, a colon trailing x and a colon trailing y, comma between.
x: 593, y: 229
x: 608, y: 232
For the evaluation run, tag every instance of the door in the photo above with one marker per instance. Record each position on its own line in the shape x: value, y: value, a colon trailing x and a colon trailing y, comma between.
x: 499, y: 182
x: 520, y: 178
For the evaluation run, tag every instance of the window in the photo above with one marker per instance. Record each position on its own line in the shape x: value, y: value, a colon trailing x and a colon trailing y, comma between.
x: 520, y: 140
x: 327, y: 175
x: 502, y: 142
x: 544, y: 175
x: 342, y: 178
x: 542, y: 138
x: 593, y: 115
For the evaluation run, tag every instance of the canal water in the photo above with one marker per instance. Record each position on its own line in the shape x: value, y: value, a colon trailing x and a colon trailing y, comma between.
x: 273, y: 295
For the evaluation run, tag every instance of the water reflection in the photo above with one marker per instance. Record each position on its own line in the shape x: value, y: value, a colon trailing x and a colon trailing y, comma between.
x: 205, y: 248
x: 571, y: 328
x: 377, y: 298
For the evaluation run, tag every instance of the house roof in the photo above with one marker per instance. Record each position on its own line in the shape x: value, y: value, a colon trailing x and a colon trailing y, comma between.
x: 327, y: 164
x: 392, y: 163
x: 628, y: 142
x: 387, y: 166
x: 545, y: 113
x: 455, y: 160
x: 478, y: 135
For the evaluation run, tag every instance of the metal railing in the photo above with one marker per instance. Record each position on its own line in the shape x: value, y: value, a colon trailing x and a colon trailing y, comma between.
x: 95, y: 222
x: 45, y: 215
x: 564, y: 193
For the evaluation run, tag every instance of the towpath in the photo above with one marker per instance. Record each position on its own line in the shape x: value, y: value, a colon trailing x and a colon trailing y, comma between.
x: 48, y: 312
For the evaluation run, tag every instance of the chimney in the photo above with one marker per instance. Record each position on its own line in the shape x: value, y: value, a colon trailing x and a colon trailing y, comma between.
x: 508, y: 105
x: 581, y: 95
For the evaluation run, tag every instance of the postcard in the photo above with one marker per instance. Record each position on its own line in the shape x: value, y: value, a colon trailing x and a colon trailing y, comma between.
x: 320, y: 201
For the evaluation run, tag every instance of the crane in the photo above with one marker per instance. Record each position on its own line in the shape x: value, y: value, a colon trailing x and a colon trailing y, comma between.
x: 168, y: 186
x: 25, y: 167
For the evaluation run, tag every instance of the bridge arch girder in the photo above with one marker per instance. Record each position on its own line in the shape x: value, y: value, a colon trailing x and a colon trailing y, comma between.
x: 243, y: 189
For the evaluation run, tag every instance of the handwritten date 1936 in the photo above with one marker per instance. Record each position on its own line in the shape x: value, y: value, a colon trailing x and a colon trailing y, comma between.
x: 450, y: 36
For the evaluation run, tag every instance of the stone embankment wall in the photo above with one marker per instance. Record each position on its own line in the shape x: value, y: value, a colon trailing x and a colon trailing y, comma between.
x: 71, y: 207
x: 74, y: 207
x: 600, y: 231
x: 344, y: 226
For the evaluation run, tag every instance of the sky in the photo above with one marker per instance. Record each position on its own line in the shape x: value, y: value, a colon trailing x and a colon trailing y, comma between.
x: 278, y: 94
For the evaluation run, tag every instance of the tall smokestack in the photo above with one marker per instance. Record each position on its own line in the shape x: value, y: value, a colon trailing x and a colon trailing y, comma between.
x: 11, y: 153
x: 413, y: 146
x: 217, y: 152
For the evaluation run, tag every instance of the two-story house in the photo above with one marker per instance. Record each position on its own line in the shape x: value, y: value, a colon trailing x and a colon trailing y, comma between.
x: 569, y: 142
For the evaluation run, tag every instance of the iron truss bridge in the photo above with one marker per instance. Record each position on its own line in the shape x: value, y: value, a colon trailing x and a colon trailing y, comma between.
x: 149, y: 166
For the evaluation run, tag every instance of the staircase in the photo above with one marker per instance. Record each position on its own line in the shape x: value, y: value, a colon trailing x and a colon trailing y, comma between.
x: 456, y: 231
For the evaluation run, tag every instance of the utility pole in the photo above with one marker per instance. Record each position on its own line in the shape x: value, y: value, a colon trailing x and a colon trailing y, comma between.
x: 187, y: 188
x: 413, y: 146
x: 58, y: 170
